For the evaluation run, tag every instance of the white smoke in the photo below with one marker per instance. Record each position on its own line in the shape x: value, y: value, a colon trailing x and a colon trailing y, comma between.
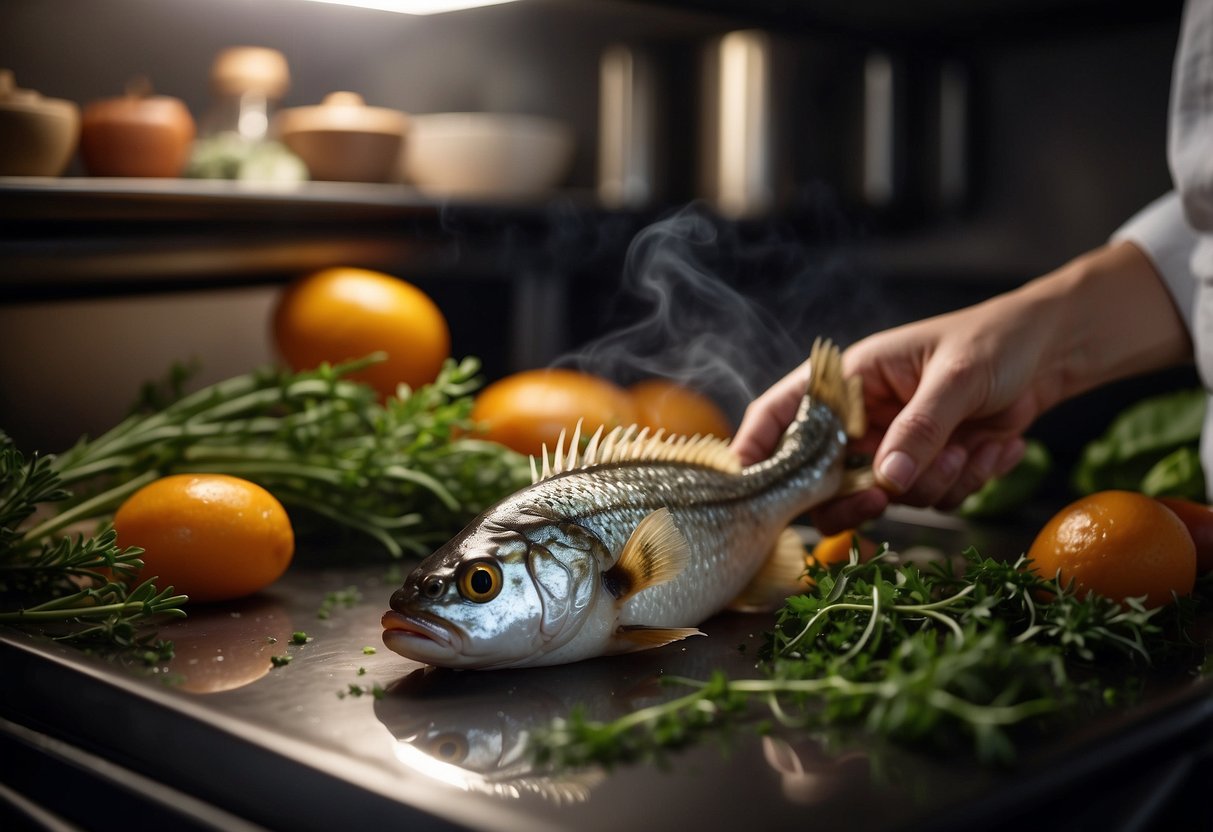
x: 722, y: 307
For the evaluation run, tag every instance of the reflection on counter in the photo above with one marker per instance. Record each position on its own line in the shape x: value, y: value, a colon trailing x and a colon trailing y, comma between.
x: 226, y: 646
x: 473, y: 730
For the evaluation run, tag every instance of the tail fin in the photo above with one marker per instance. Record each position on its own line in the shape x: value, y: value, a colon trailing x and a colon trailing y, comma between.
x: 844, y: 396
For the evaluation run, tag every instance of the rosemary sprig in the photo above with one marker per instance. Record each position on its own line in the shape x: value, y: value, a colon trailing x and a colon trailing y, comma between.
x: 406, y: 472
x: 77, y: 588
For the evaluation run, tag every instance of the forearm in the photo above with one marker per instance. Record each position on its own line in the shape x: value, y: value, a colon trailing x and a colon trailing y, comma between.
x: 1105, y: 316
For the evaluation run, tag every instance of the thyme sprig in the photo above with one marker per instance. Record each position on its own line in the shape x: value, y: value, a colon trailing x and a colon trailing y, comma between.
x: 922, y: 656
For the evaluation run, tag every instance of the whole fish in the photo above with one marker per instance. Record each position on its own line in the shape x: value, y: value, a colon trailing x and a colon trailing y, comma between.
x: 629, y: 543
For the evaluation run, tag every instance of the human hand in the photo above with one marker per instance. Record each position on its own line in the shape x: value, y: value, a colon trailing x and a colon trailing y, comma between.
x: 948, y: 398
x: 946, y: 405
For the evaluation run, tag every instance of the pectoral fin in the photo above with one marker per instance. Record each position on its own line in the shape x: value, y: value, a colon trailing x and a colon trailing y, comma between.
x: 655, y: 553
x: 634, y: 638
x: 782, y: 575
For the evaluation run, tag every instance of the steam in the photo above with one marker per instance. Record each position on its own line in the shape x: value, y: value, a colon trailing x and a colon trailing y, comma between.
x: 722, y: 307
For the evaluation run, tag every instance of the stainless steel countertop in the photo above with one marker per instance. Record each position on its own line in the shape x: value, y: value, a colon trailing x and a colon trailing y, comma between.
x: 292, y: 747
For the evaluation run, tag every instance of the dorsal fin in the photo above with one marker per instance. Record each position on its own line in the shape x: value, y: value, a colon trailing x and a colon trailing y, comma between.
x: 633, y: 444
x: 827, y: 385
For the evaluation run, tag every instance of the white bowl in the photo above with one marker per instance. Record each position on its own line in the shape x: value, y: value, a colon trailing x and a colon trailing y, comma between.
x: 493, y: 155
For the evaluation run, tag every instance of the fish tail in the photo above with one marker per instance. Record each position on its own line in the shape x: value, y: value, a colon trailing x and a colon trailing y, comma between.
x: 844, y: 396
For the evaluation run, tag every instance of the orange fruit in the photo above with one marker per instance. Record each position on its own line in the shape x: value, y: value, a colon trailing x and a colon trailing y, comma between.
x: 1198, y: 517
x: 678, y: 409
x: 340, y: 314
x: 1119, y: 544
x: 836, y: 548
x: 209, y: 536
x: 527, y: 410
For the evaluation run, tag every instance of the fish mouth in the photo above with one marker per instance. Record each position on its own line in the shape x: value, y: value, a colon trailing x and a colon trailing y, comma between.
x: 416, y: 635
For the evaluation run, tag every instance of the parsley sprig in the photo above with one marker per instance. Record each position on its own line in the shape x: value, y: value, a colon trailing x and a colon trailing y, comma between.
x: 928, y: 657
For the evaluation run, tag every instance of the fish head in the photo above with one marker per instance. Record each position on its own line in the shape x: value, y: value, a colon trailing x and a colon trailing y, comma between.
x: 511, y: 587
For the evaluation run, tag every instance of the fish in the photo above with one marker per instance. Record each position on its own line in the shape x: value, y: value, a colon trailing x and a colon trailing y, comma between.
x: 630, y: 542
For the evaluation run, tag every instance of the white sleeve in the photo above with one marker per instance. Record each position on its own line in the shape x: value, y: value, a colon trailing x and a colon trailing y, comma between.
x: 1162, y: 232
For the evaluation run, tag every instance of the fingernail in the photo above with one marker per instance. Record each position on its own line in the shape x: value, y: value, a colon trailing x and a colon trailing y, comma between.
x: 898, y: 470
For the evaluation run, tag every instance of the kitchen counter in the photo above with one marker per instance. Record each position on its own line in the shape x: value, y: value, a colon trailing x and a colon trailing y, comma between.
x: 348, y: 732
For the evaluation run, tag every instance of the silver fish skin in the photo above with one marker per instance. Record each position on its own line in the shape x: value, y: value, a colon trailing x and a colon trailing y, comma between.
x: 543, y: 578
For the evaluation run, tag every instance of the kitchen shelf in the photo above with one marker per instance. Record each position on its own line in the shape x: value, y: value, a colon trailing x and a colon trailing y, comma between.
x: 79, y: 236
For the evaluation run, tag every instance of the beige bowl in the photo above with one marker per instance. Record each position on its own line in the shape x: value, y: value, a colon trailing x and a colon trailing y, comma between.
x: 37, y: 135
x: 492, y: 155
x: 344, y: 140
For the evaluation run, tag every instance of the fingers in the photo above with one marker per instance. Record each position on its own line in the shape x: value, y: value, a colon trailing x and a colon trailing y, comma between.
x: 954, y: 475
x: 850, y: 511
x: 993, y: 458
x: 956, y: 472
x: 938, y: 479
x: 768, y: 416
x: 913, y: 448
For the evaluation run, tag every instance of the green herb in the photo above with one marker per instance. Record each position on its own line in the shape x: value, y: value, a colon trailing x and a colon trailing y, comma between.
x: 404, y: 472
x: 925, y: 657
x: 362, y: 671
x: 280, y: 661
x: 300, y: 637
x: 348, y: 597
x: 368, y: 651
x: 355, y: 690
x: 75, y: 588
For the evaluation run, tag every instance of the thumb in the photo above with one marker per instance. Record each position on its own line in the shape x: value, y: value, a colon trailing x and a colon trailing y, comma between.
x: 921, y: 430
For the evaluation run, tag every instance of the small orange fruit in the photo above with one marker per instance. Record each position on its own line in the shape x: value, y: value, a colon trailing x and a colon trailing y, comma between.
x: 209, y: 536
x: 1120, y: 544
x: 836, y: 548
x: 529, y: 409
x: 340, y: 314
x: 678, y: 409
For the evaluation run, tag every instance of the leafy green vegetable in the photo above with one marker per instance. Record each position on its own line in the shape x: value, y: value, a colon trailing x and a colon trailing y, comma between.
x: 1178, y: 474
x: 1138, y: 439
x: 1004, y: 495
x: 925, y: 657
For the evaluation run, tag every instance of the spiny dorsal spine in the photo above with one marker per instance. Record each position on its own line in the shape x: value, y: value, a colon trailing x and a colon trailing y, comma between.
x: 633, y: 444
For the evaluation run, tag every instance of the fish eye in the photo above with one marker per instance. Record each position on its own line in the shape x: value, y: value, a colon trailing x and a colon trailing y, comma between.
x: 480, y: 581
x: 449, y: 748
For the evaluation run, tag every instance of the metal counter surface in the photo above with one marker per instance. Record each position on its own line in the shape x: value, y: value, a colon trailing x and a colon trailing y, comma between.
x: 296, y: 747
